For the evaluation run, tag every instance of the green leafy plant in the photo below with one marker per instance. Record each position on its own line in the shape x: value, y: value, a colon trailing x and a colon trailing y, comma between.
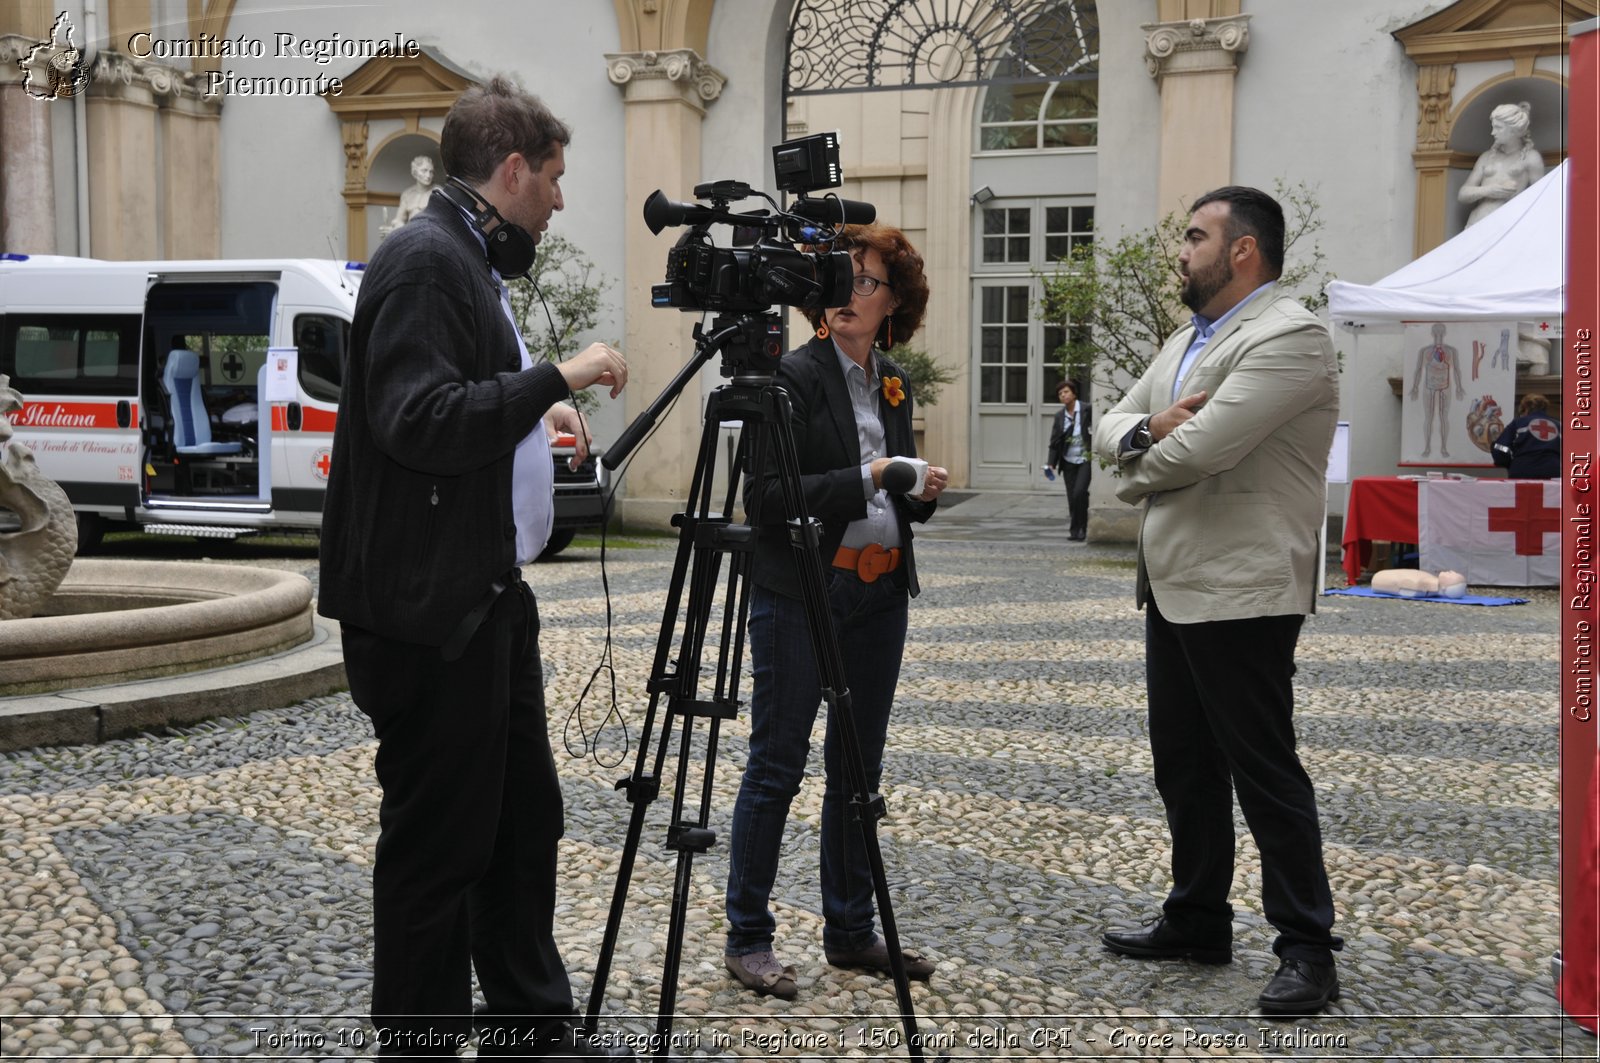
x: 572, y: 285
x: 925, y: 376
x: 1118, y: 302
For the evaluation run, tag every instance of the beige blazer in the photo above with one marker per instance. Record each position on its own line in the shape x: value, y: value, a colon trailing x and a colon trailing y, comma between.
x: 1234, y: 497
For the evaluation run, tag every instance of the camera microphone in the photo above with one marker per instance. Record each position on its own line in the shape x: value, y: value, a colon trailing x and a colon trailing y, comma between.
x: 835, y: 211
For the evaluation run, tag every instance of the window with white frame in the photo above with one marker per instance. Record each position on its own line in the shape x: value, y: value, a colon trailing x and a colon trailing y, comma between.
x: 1022, y: 113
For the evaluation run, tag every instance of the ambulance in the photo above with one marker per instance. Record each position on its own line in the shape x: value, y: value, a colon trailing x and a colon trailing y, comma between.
x: 195, y: 398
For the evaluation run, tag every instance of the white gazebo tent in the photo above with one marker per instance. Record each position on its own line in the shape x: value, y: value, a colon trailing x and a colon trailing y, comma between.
x: 1509, y: 267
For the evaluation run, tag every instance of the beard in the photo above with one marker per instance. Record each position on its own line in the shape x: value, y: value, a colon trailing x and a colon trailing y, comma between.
x: 1202, y: 285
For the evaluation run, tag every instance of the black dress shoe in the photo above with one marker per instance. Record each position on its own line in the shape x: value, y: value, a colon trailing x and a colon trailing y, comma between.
x: 1300, y: 988
x: 1159, y: 941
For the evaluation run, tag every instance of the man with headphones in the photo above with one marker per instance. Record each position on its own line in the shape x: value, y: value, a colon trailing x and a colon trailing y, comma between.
x: 441, y: 487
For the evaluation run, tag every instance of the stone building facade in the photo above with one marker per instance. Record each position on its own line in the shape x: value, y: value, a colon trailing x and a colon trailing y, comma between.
x: 995, y: 135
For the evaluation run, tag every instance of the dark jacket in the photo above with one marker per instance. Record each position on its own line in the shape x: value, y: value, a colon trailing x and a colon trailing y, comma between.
x: 1530, y: 448
x: 418, y: 521
x: 829, y: 452
x: 1058, y: 434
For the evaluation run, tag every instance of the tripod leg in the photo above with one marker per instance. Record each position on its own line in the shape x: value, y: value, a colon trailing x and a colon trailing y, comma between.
x: 704, y: 536
x: 644, y: 785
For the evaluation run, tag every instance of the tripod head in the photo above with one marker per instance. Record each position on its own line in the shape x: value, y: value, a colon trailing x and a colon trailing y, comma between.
x: 750, y: 345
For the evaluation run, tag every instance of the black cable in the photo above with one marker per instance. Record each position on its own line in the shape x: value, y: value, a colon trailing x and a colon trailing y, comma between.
x: 607, y: 661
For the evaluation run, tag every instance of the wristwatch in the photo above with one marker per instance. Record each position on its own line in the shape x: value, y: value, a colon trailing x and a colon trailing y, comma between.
x: 1141, y: 436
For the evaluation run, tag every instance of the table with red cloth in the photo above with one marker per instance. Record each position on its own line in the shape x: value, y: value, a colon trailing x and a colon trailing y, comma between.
x: 1381, y: 508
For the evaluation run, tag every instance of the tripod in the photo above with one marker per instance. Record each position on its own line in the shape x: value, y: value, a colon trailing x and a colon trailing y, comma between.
x: 705, y: 537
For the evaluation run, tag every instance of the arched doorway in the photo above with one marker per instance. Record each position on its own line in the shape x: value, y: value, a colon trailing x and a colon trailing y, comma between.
x: 935, y: 101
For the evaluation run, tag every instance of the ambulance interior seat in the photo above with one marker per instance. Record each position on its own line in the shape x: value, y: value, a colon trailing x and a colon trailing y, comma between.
x: 191, y: 424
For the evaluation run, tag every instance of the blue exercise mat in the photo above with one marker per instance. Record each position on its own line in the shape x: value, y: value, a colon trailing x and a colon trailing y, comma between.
x: 1466, y: 599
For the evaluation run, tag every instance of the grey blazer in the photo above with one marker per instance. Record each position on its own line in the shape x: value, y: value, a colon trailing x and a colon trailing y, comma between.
x: 1235, y: 496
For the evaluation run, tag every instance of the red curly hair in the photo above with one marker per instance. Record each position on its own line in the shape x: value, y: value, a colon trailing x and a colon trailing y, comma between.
x: 906, y: 278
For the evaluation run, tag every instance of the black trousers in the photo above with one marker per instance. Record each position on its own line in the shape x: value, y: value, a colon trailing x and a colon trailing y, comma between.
x: 1222, y: 722
x: 1075, y: 477
x: 465, y: 875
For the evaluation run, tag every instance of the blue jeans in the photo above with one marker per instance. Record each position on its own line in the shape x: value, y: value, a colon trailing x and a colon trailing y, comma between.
x: 870, y: 619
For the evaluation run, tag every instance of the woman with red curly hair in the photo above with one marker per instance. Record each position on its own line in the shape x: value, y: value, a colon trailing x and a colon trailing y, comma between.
x: 851, y: 415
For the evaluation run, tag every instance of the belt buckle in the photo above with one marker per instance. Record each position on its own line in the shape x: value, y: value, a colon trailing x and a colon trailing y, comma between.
x: 873, y: 562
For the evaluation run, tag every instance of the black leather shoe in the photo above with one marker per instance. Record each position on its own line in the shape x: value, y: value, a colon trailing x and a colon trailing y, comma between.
x: 1158, y: 941
x: 1300, y: 988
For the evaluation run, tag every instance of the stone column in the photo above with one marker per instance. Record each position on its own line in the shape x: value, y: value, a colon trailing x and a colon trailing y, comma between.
x: 123, y: 203
x: 27, y: 156
x: 354, y: 133
x: 1194, y: 62
x: 665, y: 95
x: 192, y: 190
x: 153, y: 138
x: 948, y: 258
x: 1432, y: 156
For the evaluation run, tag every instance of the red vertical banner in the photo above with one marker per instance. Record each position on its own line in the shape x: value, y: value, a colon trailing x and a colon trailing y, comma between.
x: 1580, y: 578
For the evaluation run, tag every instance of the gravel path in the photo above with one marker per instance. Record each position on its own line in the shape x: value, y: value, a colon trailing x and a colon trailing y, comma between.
x: 205, y: 894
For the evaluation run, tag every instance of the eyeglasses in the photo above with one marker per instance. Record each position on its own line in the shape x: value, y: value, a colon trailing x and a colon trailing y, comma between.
x: 863, y: 285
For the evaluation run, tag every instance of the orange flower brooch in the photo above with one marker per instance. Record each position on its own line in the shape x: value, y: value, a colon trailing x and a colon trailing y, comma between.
x: 892, y: 391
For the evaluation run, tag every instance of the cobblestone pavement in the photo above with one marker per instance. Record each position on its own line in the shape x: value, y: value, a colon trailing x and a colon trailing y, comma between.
x: 205, y: 894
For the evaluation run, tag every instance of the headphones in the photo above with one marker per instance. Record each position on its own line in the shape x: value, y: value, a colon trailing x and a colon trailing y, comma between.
x: 509, y: 248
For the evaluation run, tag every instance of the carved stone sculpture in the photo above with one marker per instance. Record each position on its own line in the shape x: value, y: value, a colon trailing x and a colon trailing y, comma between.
x: 36, y: 548
x: 413, y: 199
x: 1511, y: 164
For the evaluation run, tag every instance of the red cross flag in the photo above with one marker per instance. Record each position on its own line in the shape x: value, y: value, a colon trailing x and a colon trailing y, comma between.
x: 1499, y: 533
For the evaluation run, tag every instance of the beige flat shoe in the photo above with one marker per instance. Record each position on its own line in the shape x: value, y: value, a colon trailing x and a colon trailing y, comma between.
x: 761, y: 972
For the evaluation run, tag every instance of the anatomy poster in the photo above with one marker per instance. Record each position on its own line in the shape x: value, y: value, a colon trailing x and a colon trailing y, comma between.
x: 1457, y: 381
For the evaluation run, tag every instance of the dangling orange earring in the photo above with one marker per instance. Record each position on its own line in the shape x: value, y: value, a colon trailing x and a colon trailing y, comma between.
x: 888, y: 339
x: 822, y: 330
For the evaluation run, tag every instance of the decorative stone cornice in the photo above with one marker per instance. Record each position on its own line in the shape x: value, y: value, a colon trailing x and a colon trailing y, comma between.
x: 1195, y: 46
x: 680, y: 67
x: 13, y: 49
x: 115, y: 75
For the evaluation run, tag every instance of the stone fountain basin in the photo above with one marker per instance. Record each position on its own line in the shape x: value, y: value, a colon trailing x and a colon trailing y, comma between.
x: 113, y: 621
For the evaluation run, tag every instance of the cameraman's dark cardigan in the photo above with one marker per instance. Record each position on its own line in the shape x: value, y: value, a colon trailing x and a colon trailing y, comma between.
x: 418, y: 521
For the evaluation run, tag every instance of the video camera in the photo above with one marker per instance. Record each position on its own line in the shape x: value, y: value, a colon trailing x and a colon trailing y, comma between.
x: 764, y: 266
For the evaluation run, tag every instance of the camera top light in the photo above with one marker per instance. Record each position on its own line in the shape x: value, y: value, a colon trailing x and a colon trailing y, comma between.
x: 808, y: 163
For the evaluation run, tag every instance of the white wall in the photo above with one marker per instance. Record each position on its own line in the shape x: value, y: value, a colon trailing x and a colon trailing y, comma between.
x: 283, y: 159
x: 1326, y: 95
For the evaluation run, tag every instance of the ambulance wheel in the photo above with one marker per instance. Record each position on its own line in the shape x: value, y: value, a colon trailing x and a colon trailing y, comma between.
x: 91, y: 528
x: 560, y: 539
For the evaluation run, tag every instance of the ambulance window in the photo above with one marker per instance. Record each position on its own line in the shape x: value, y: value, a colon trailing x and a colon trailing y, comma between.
x: 101, y: 353
x: 322, y: 340
x: 45, y: 354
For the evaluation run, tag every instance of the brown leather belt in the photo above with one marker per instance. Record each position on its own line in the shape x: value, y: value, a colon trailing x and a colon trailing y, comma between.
x: 869, y: 562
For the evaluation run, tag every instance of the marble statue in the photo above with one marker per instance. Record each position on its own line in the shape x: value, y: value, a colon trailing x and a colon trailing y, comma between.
x: 37, y: 546
x: 413, y: 199
x: 1511, y: 164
